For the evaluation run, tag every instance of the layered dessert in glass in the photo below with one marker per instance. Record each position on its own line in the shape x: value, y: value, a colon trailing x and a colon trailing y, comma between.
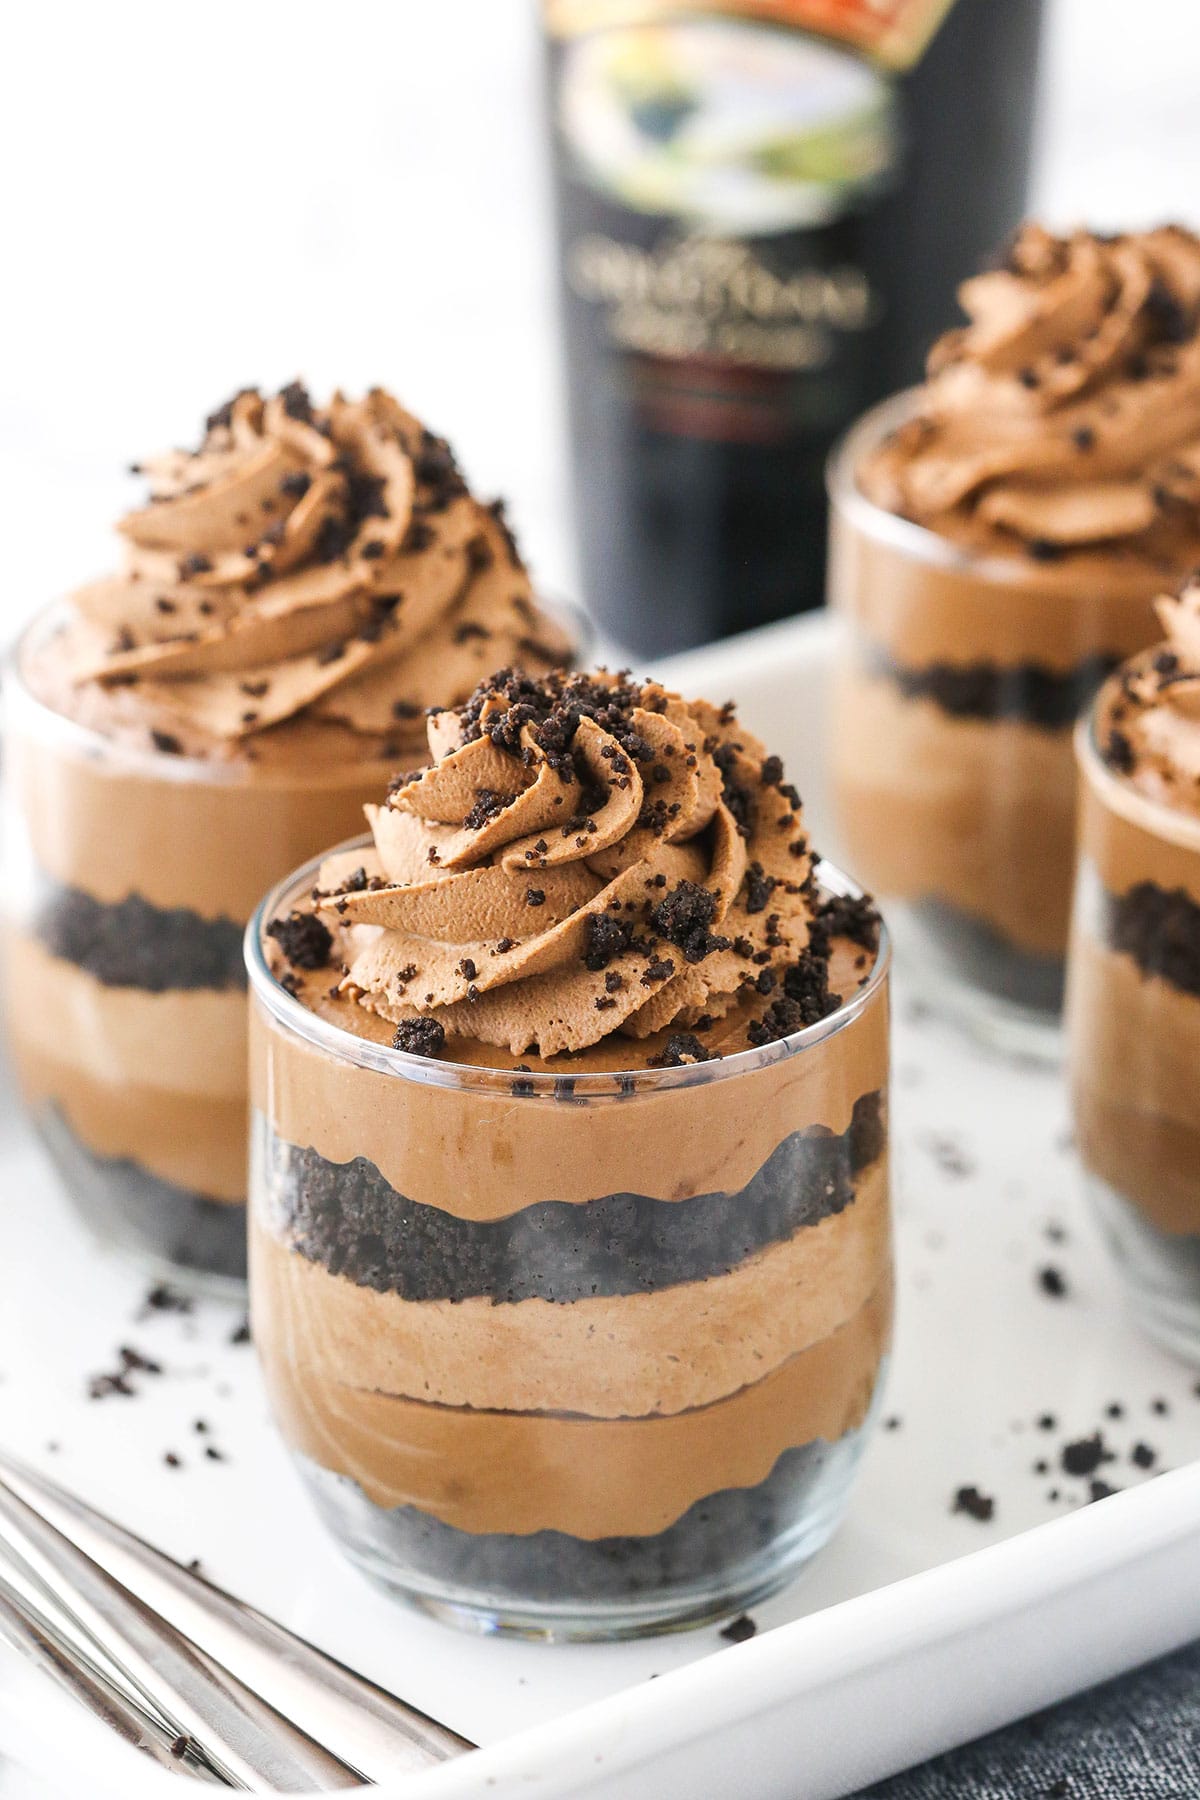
x: 570, y: 1244
x: 293, y: 596
x: 1134, y: 988
x: 998, y: 538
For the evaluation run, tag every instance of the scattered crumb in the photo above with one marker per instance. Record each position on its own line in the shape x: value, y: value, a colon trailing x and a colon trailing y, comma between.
x: 949, y: 1156
x: 162, y: 1298
x: 117, y: 1381
x: 1085, y: 1455
x: 976, y: 1505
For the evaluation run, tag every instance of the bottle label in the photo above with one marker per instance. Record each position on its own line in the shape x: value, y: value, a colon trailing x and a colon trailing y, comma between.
x: 718, y: 300
x: 895, y: 32
x: 712, y: 166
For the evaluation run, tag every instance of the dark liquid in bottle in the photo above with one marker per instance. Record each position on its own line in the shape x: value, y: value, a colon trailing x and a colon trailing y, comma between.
x: 761, y: 233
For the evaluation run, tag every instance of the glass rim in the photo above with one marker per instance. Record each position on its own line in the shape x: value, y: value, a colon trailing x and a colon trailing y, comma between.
x: 343, y: 1046
x: 159, y: 764
x: 1118, y: 791
x: 918, y: 542
x: 167, y: 766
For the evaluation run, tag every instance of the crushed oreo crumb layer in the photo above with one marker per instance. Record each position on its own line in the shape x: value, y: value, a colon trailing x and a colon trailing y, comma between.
x: 1160, y: 929
x: 730, y: 1529
x: 349, y: 1218
x: 175, y: 1225
x: 130, y: 943
x: 1026, y: 691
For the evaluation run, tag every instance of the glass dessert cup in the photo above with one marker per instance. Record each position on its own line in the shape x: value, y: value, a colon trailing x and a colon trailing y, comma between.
x: 570, y: 1356
x: 960, y: 679
x: 129, y: 878
x: 1133, y: 1031
x: 130, y: 875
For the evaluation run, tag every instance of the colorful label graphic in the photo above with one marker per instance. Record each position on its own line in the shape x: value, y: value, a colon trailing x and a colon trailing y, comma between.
x: 728, y: 126
x: 895, y: 32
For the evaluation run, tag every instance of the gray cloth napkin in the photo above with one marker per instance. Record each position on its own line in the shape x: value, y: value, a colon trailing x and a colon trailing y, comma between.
x: 1136, y: 1738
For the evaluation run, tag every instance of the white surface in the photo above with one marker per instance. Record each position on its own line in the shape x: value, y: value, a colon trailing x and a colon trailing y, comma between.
x: 200, y: 197
x: 860, y: 1677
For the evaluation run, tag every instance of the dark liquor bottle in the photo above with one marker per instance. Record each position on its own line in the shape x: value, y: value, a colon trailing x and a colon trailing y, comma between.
x: 764, y: 208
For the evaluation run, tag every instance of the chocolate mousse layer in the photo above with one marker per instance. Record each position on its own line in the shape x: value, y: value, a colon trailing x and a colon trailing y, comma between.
x: 573, y: 1311
x: 1135, y: 963
x: 998, y: 540
x: 295, y: 594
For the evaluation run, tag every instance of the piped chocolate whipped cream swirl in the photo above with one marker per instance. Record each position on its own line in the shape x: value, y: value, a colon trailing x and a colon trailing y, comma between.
x: 586, y: 856
x: 1149, y: 728
x: 1065, y: 416
x: 328, y: 564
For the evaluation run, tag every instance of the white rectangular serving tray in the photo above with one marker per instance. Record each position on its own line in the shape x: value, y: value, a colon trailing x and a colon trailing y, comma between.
x: 918, y: 1627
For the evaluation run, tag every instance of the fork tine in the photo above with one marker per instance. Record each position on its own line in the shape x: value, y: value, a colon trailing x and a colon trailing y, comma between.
x: 36, y: 1599
x: 370, y: 1728
x: 250, y: 1744
x: 36, y: 1637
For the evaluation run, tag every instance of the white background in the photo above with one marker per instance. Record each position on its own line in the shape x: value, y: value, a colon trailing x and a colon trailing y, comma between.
x: 199, y: 195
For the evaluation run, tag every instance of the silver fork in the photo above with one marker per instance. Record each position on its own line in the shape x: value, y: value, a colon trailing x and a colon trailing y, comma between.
x: 220, y: 1677
x: 43, y: 1641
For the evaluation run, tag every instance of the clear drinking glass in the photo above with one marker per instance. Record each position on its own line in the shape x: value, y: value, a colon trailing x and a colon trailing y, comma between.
x: 1133, y: 1019
x: 959, y: 682
x: 572, y: 1356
